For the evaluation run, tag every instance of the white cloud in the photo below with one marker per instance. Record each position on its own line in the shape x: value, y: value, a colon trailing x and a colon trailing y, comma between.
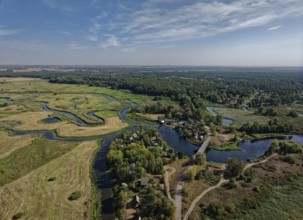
x: 92, y: 38
x: 201, y: 19
x: 60, y: 6
x: 8, y: 32
x: 76, y: 46
x: 111, y: 41
x: 22, y: 45
x: 274, y: 28
x: 65, y: 33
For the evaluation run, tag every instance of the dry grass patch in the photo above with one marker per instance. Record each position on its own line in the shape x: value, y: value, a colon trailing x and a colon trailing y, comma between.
x: 219, y: 139
x: 72, y: 130
x: 11, y: 109
x: 44, y: 192
x: 153, y: 117
x: 30, y: 121
x: 9, y: 144
x: 17, y: 79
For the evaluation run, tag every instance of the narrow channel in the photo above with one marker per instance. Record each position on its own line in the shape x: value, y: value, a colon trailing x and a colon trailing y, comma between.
x: 250, y: 149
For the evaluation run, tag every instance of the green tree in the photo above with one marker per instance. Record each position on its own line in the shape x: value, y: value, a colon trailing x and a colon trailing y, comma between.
x: 234, y: 168
x: 200, y: 158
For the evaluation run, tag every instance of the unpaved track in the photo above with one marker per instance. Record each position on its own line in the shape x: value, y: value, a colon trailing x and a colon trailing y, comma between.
x: 262, y: 161
x: 197, y: 199
x: 222, y: 181
x: 168, y: 172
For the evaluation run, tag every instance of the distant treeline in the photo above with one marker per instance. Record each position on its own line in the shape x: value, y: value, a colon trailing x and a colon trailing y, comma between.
x: 191, y: 88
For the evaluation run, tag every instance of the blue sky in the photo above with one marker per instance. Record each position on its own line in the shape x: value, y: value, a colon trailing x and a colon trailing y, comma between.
x: 152, y: 32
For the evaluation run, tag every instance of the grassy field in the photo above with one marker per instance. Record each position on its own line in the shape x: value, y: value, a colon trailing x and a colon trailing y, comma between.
x: 30, y: 121
x: 30, y: 157
x: 9, y: 144
x: 11, y: 110
x: 284, y: 202
x: 72, y: 130
x: 153, y: 117
x: 240, y: 117
x: 79, y: 105
x: 53, y: 184
x: 39, y: 86
x: 280, y: 195
x: 38, y: 177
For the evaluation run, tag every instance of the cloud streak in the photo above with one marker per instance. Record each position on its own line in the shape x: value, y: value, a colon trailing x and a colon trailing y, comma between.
x: 274, y: 28
x: 76, y: 46
x: 8, y: 32
x: 154, y: 24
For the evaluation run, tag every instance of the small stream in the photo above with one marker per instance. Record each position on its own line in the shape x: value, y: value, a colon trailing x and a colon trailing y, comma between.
x: 75, y: 119
x: 6, y: 99
x: 225, y: 121
x: 250, y: 149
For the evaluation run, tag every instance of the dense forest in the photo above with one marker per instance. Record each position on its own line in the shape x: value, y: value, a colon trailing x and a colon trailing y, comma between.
x: 192, y: 89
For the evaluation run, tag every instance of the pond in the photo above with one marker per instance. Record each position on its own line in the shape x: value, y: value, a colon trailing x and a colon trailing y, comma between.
x: 6, y: 99
x: 225, y: 121
x: 250, y: 150
x: 51, y: 120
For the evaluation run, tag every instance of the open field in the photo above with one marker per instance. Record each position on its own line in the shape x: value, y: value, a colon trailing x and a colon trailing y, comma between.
x: 153, y: 117
x: 9, y: 144
x: 72, y: 130
x: 30, y: 157
x: 11, y: 109
x: 79, y: 104
x: 32, y: 85
x: 49, y: 199
x: 16, y: 79
x: 30, y: 121
x: 240, y: 117
x: 280, y: 191
x: 284, y: 202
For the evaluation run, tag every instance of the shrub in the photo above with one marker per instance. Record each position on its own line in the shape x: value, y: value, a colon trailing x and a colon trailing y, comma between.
x: 185, y: 191
x: 51, y: 179
x: 74, y: 196
x: 288, y: 159
x: 256, y: 189
x: 17, y: 215
x: 232, y: 184
x: 231, y: 208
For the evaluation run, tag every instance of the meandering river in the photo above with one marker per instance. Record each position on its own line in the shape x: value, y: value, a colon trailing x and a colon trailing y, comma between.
x: 225, y: 121
x: 250, y: 149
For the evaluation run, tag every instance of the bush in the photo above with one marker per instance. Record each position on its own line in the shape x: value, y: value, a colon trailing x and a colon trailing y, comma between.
x: 74, y: 196
x: 287, y: 159
x: 51, y: 179
x: 232, y: 184
x: 17, y: 215
x: 256, y: 189
x: 293, y: 114
x: 185, y: 191
x: 231, y: 208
